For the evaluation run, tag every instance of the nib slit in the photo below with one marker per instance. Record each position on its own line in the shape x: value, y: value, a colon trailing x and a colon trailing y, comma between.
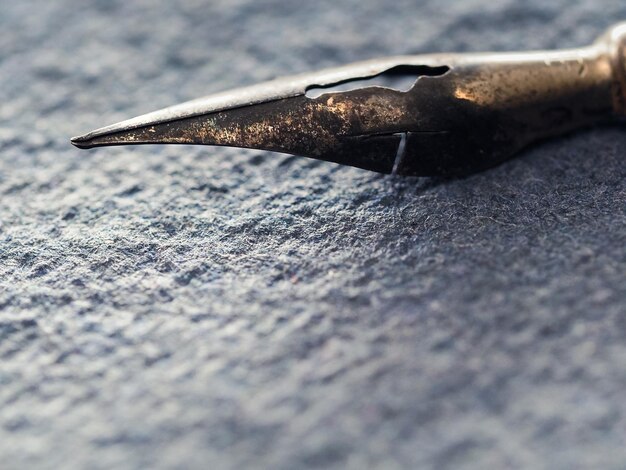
x: 400, y: 153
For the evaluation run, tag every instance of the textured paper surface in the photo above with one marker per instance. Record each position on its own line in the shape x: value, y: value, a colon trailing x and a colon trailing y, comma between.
x: 190, y: 307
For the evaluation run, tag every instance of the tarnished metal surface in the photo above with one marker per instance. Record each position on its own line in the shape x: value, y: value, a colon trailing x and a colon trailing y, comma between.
x: 465, y: 112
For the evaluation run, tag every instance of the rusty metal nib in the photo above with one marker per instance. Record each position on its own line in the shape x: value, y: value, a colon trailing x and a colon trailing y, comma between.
x: 440, y: 114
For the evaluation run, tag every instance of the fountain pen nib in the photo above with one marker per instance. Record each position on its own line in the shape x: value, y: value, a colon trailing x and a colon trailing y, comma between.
x: 443, y: 114
x: 360, y: 124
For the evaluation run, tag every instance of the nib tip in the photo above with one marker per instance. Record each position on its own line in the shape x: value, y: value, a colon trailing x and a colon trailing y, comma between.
x: 82, y: 142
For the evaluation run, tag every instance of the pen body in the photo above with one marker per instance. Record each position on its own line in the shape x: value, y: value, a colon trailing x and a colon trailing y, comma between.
x: 490, y: 106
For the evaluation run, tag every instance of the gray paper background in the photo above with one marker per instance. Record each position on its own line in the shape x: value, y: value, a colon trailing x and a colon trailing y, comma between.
x: 196, y: 307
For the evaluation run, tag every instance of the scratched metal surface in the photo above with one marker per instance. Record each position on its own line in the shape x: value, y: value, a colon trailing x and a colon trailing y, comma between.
x: 187, y: 307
